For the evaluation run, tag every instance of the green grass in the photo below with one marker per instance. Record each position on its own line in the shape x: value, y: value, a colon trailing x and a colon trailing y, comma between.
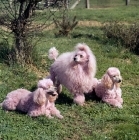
x: 95, y: 120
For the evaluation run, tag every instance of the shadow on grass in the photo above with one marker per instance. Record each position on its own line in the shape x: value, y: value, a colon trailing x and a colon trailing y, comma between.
x: 92, y: 96
x: 64, y: 99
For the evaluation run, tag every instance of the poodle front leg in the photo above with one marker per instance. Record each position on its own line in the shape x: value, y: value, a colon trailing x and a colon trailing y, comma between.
x: 56, y: 112
x: 48, y: 114
x: 79, y: 99
x: 113, y: 102
x: 119, y: 99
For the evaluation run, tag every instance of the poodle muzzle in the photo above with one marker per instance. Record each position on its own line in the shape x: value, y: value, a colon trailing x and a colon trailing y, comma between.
x: 118, y: 80
x: 52, y: 91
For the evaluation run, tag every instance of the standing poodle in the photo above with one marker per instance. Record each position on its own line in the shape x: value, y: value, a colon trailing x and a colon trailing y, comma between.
x: 108, y: 88
x: 39, y: 102
x: 75, y: 70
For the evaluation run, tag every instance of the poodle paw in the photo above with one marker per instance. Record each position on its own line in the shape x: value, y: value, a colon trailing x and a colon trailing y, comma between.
x: 50, y: 117
x: 60, y: 116
x: 120, y: 100
x: 79, y: 100
x: 119, y: 106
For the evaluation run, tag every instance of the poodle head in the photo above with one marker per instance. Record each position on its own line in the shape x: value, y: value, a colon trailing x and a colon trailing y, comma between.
x: 52, y: 95
x: 45, y: 83
x: 45, y: 90
x: 84, y: 56
x: 112, y: 77
x: 81, y: 55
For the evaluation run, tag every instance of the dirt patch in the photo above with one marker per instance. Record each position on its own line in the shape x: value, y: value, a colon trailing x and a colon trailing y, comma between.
x: 5, y: 29
x: 90, y: 23
x: 52, y: 26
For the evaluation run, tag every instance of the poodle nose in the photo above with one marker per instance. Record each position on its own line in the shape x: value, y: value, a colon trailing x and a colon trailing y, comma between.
x: 119, y: 80
x: 51, y: 93
x: 74, y: 58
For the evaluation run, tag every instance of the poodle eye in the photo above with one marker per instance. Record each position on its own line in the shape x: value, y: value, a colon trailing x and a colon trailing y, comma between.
x: 81, y: 56
x: 114, y: 76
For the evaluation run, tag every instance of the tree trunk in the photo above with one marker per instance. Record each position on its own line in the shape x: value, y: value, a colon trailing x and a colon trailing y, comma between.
x: 127, y: 2
x: 87, y: 4
x: 19, y: 28
x: 19, y: 51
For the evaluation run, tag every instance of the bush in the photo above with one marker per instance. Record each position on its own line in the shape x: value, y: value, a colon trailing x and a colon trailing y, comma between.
x: 126, y: 34
x: 5, y: 52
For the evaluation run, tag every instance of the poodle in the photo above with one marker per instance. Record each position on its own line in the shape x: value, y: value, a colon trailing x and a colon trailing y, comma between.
x: 39, y: 102
x: 75, y: 70
x: 108, y: 88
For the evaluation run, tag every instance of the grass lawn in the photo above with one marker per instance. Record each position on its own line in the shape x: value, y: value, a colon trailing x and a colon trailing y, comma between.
x: 95, y: 120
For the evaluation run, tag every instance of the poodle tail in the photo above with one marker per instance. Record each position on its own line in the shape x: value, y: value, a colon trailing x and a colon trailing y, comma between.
x: 53, y: 53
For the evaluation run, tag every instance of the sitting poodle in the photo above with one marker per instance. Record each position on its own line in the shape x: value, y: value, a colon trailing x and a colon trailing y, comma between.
x: 75, y: 70
x: 108, y: 88
x: 39, y: 102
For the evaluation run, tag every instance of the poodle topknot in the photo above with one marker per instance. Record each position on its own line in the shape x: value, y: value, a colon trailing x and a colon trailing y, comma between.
x: 39, y: 102
x: 108, y: 88
x: 75, y: 70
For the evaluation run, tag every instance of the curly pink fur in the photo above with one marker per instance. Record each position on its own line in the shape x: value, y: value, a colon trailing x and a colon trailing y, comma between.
x: 33, y: 103
x: 108, y: 88
x: 75, y: 70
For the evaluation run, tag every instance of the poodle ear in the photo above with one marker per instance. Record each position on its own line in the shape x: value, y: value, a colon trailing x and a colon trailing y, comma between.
x: 107, y: 81
x: 39, y: 96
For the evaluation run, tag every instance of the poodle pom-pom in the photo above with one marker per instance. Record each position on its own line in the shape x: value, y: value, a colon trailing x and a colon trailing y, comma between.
x: 53, y: 53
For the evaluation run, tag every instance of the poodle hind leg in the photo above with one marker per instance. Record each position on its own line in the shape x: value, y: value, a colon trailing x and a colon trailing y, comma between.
x: 59, y: 89
x: 79, y: 99
x: 35, y: 111
x: 55, y: 81
x: 9, y: 104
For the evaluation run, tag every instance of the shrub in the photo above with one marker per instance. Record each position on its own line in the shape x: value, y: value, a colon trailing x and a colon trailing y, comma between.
x: 5, y: 52
x: 65, y: 26
x: 126, y: 34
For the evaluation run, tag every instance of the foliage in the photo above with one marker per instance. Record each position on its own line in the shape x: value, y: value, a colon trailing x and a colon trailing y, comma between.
x: 65, y: 25
x: 126, y: 34
x: 18, y: 17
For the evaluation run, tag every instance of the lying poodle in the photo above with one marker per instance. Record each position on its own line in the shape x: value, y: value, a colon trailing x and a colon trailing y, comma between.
x: 108, y: 88
x: 75, y: 70
x: 39, y: 102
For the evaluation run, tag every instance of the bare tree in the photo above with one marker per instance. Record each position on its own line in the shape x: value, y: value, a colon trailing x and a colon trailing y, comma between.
x: 66, y: 23
x: 17, y: 17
